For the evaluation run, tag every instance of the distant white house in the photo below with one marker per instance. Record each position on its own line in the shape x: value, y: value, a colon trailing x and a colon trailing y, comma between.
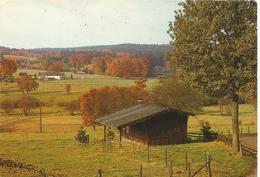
x: 80, y: 72
x: 50, y: 76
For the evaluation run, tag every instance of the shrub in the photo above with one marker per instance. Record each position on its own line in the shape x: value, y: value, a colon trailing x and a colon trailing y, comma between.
x: 110, y: 135
x: 27, y: 103
x: 208, y: 101
x: 71, y: 106
x: 8, y: 106
x: 81, y: 136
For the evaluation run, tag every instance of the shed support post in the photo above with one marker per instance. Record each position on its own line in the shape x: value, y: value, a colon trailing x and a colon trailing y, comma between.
x: 120, y: 137
x: 105, y: 133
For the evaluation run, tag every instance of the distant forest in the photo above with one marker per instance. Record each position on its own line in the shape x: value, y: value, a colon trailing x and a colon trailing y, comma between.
x: 157, y: 55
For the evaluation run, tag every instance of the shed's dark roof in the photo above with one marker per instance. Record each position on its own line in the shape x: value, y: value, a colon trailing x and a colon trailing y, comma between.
x: 134, y: 114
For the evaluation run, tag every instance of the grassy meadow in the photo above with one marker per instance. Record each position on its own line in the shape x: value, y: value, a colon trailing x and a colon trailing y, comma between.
x: 56, y: 150
x: 54, y: 90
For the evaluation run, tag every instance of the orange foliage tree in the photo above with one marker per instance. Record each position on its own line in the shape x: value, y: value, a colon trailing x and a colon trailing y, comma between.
x: 99, y: 102
x: 77, y: 61
x: 8, y: 68
x: 99, y: 64
x: 123, y: 65
x: 73, y: 60
x: 27, y: 84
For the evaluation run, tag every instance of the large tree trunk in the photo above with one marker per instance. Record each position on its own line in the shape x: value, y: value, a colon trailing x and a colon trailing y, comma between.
x: 235, y: 125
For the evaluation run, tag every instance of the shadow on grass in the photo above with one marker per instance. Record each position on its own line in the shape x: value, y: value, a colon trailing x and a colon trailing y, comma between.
x: 48, y: 92
x: 6, y: 129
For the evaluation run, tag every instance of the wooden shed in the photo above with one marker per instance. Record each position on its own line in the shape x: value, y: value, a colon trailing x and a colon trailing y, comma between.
x: 148, y: 124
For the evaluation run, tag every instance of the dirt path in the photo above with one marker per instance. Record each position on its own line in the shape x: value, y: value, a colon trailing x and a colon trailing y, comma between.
x: 251, y: 141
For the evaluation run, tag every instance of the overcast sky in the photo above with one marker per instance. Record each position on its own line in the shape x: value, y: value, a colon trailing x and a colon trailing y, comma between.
x: 71, y: 23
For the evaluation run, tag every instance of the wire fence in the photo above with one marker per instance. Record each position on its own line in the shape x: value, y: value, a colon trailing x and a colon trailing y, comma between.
x: 244, y: 150
x: 154, y: 160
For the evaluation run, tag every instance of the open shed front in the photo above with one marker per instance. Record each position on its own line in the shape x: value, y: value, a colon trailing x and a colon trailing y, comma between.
x: 151, y: 125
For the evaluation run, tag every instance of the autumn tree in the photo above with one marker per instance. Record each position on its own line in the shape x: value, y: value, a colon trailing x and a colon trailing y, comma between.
x: 27, y: 103
x: 78, y: 60
x: 68, y: 88
x: 177, y: 95
x: 126, y: 65
x: 56, y: 67
x: 8, y: 68
x: 27, y: 84
x: 73, y: 60
x: 99, y: 102
x: 99, y: 64
x: 215, y: 49
x: 113, y: 68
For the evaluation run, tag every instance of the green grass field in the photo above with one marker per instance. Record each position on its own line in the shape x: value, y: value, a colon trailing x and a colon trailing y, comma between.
x: 54, y: 91
x: 56, y: 150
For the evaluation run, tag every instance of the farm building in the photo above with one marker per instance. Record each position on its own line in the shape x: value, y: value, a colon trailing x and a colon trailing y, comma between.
x: 147, y: 124
x: 29, y: 75
x: 50, y: 76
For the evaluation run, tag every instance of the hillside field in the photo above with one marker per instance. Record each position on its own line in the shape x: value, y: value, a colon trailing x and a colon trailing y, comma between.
x: 56, y: 150
x: 54, y: 90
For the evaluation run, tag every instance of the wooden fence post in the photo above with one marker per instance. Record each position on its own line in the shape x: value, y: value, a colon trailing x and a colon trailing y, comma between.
x: 134, y: 150
x: 141, y: 171
x: 40, y: 104
x: 228, y: 132
x: 99, y: 173
x: 189, y: 169
x: 170, y: 169
x: 248, y: 130
x: 240, y: 149
x: 166, y: 156
x: 110, y: 146
x: 206, y: 161
x: 148, y: 153
x: 102, y: 144
x: 208, y: 164
x: 241, y: 131
x: 186, y: 160
x: 94, y: 131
